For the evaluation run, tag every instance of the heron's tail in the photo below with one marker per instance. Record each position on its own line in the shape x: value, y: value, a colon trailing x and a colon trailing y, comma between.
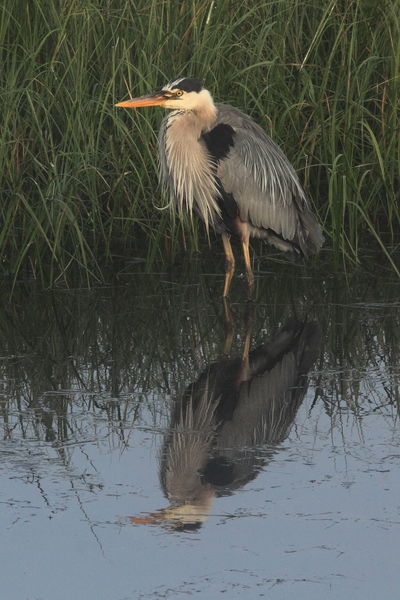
x: 310, y: 237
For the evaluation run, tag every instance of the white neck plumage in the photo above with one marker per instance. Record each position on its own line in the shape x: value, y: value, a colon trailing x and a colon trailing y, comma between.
x: 190, y: 169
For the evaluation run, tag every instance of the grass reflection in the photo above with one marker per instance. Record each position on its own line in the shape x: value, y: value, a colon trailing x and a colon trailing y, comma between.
x: 70, y: 358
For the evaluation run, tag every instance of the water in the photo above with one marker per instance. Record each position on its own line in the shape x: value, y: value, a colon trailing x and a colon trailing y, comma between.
x: 146, y: 454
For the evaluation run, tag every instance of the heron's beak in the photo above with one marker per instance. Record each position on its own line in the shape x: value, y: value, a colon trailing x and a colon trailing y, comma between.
x: 156, y: 99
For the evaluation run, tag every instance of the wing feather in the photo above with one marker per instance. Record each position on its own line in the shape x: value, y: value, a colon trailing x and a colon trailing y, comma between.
x: 265, y: 185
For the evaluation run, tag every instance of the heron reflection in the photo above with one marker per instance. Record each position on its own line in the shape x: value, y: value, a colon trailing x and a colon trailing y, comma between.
x: 227, y: 424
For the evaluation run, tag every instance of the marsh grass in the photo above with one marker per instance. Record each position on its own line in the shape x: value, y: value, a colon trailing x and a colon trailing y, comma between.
x: 78, y: 177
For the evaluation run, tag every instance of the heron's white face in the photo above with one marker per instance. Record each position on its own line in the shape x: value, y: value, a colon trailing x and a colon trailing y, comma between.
x: 177, y: 99
x: 173, y: 98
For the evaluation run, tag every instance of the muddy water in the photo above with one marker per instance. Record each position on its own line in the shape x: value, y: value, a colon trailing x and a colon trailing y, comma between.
x: 156, y: 443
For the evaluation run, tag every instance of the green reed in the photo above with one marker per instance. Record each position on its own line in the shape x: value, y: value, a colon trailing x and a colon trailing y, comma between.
x: 78, y: 177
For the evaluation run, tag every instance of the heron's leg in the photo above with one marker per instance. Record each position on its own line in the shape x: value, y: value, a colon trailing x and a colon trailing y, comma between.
x: 230, y: 263
x: 246, y: 254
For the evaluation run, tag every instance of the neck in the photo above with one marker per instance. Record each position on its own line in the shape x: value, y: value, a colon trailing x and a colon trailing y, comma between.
x: 187, y: 164
x: 205, y: 111
x: 200, y: 114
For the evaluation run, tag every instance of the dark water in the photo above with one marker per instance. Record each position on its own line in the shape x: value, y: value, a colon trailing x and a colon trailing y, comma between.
x: 158, y: 444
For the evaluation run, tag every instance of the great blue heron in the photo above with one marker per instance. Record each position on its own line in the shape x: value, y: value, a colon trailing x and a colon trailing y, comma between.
x: 229, y: 423
x: 219, y: 163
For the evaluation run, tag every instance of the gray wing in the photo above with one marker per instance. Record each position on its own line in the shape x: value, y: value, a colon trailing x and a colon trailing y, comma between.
x: 265, y: 186
x: 269, y: 400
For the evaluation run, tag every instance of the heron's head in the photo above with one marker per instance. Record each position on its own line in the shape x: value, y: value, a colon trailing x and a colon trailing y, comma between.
x: 182, y: 94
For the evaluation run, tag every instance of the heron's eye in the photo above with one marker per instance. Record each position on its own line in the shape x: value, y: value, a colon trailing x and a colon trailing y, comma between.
x: 178, y: 93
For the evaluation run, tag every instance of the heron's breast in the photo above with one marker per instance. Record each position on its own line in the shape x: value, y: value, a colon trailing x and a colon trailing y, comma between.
x: 191, y: 171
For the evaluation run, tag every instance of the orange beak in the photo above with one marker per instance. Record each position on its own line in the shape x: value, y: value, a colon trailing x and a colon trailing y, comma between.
x: 153, y: 519
x: 156, y: 99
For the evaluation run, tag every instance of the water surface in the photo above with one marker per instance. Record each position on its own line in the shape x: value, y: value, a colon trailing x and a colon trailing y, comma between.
x: 158, y: 444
